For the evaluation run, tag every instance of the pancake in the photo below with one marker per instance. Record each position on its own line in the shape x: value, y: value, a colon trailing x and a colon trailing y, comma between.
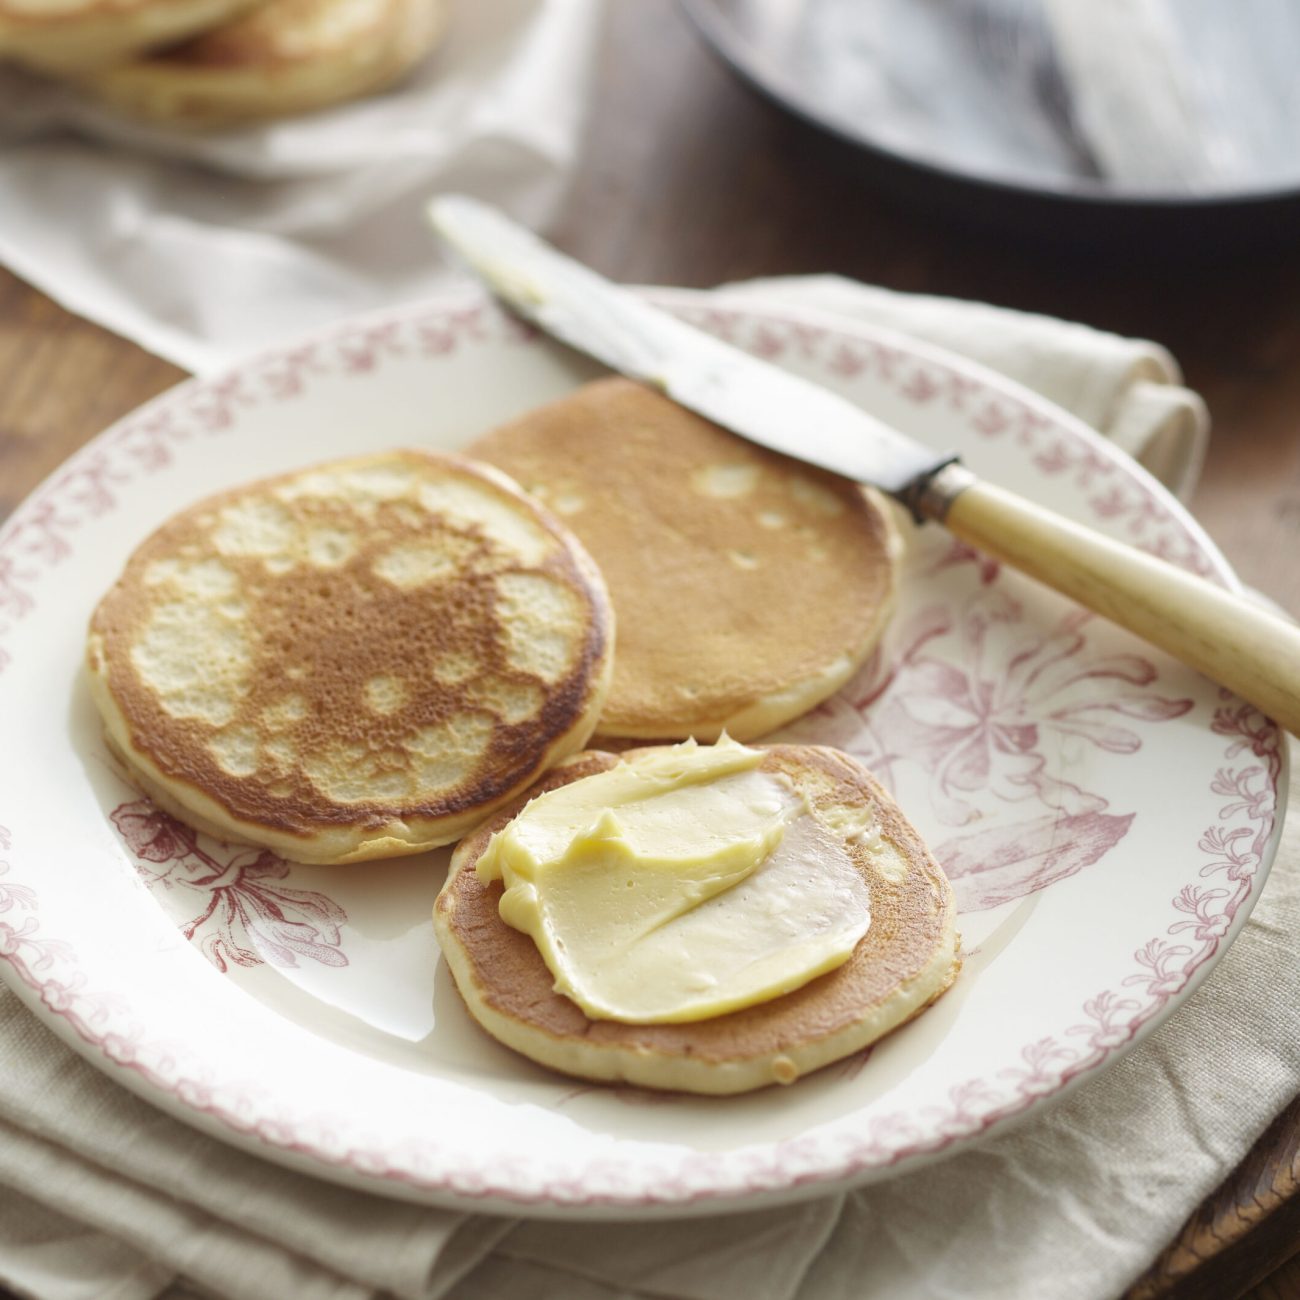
x: 358, y: 660
x: 77, y: 36
x: 907, y: 958
x: 748, y: 587
x: 286, y: 57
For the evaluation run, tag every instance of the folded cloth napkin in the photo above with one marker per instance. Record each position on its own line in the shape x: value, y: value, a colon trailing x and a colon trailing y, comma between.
x: 1129, y: 389
x: 105, y: 1196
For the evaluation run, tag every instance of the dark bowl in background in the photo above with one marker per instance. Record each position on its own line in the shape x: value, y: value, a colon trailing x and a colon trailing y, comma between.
x: 1221, y: 224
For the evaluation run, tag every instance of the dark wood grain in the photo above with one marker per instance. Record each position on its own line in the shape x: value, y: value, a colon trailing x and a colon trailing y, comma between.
x: 1283, y: 1284
x: 1243, y: 1234
x: 62, y: 380
x: 688, y: 178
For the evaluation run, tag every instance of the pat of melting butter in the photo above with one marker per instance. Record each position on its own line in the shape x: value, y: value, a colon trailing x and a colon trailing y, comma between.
x: 679, y: 885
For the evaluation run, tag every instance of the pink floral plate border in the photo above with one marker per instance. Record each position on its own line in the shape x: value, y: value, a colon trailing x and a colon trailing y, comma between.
x: 1204, y: 914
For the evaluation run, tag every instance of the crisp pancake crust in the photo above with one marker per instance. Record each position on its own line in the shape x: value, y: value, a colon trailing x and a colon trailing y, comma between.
x: 285, y: 57
x: 906, y: 959
x: 357, y: 660
x: 78, y: 36
x: 748, y: 587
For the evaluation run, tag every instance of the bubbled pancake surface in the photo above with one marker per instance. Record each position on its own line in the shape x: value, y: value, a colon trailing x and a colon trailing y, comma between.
x: 284, y: 57
x: 357, y: 660
x: 78, y: 36
x: 748, y: 587
x: 906, y: 959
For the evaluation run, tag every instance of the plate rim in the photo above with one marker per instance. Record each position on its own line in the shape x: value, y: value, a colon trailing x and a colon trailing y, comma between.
x: 599, y: 1204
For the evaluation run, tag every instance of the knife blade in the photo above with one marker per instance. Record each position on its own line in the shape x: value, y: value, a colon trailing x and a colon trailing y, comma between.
x: 1231, y: 639
x: 730, y: 387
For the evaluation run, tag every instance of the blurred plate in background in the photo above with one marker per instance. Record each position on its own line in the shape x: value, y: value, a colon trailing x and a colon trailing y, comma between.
x: 1127, y: 103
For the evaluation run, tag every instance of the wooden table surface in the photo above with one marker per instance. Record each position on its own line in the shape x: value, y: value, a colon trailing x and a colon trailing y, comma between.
x: 688, y: 178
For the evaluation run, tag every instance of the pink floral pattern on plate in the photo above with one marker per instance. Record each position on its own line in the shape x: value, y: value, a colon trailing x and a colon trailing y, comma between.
x: 964, y: 704
x: 976, y: 695
x: 245, y: 916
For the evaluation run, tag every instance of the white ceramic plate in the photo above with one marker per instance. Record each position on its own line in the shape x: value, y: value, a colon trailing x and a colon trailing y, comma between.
x: 1107, y: 816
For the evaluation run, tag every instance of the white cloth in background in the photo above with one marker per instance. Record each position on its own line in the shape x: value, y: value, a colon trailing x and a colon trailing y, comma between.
x: 205, y: 247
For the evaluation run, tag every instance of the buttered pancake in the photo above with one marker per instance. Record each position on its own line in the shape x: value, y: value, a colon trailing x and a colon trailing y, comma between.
x: 748, y: 587
x: 74, y: 36
x: 285, y: 57
x: 355, y: 661
x: 906, y: 959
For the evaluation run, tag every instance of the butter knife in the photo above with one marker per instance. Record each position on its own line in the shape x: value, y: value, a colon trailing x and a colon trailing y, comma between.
x: 1229, y: 638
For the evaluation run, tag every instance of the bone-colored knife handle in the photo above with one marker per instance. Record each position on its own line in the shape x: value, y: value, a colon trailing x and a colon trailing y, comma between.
x: 1229, y: 638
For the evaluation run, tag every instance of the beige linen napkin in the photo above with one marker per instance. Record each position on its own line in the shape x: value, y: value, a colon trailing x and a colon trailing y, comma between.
x: 102, y: 1195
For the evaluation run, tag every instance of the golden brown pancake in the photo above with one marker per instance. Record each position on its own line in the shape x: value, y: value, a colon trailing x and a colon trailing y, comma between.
x: 358, y: 660
x: 75, y: 36
x: 748, y: 587
x: 285, y: 57
x: 907, y: 958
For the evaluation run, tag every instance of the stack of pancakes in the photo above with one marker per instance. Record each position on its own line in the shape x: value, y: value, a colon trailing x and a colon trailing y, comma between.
x: 380, y: 655
x: 209, y: 63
